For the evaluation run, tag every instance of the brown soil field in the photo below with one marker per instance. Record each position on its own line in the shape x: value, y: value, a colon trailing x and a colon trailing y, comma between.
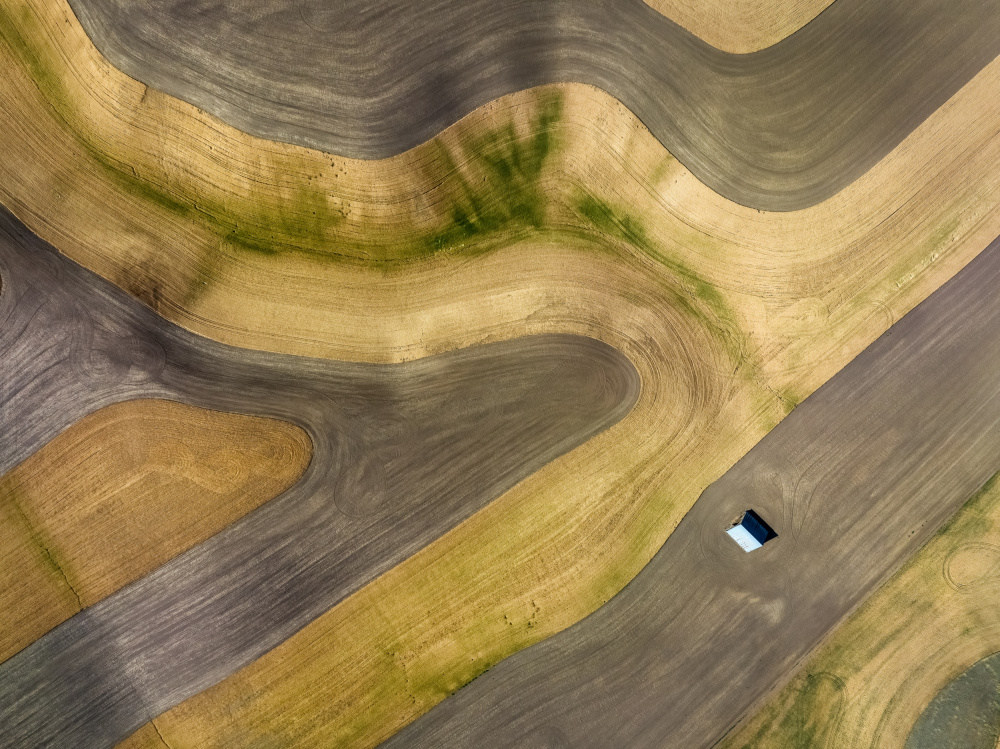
x: 877, y: 672
x: 741, y: 26
x: 121, y: 492
x: 406, y: 660
x: 549, y: 210
x: 779, y: 130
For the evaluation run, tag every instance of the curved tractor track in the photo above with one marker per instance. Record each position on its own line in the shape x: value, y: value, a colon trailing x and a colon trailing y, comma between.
x: 779, y: 129
x: 854, y: 481
x: 386, y: 479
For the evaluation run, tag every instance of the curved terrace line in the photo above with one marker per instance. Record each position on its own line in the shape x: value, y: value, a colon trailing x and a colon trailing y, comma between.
x: 878, y: 244
x: 854, y: 481
x: 780, y: 129
x: 402, y: 453
x: 740, y: 26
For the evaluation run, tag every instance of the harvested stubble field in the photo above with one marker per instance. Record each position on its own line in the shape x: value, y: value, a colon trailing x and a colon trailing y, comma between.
x: 121, y: 492
x: 549, y: 210
x: 385, y: 480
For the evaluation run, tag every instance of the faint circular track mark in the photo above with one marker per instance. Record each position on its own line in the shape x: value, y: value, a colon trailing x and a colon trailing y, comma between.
x: 969, y: 565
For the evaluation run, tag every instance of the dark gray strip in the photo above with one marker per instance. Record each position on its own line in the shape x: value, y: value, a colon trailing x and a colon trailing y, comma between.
x: 779, y: 129
x: 853, y: 481
x: 965, y: 714
x: 402, y: 453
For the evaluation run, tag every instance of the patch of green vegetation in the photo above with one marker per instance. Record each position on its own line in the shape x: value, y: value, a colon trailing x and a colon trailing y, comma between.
x: 124, y: 176
x: 618, y: 225
x: 942, y: 235
x: 437, y: 685
x: 973, y: 517
x: 772, y: 405
x: 299, y: 225
x: 502, y: 190
x: 459, y: 678
x: 664, y: 165
x: 10, y: 32
x: 702, y: 300
x: 805, y: 718
x: 46, y: 553
x: 789, y: 399
x: 913, y: 263
x: 627, y: 228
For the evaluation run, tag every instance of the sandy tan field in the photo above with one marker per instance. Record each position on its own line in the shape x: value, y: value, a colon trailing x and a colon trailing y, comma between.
x: 548, y: 210
x: 877, y: 672
x: 741, y: 26
x: 122, y: 491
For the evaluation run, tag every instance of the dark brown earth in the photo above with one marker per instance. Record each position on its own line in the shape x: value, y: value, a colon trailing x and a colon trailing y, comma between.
x: 779, y: 129
x: 965, y: 714
x: 854, y: 481
x: 402, y: 453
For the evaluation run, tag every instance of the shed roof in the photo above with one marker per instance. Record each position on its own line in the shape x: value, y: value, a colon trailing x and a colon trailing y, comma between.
x: 744, y: 538
x: 751, y: 532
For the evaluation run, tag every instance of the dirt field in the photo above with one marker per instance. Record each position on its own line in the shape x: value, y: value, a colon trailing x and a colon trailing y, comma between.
x: 741, y: 26
x: 120, y: 493
x: 918, y: 442
x: 603, y: 233
x: 873, y: 678
x: 386, y: 479
x: 779, y: 130
x: 853, y: 481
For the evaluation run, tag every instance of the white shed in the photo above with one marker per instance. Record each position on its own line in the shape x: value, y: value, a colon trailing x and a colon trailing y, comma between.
x: 751, y: 532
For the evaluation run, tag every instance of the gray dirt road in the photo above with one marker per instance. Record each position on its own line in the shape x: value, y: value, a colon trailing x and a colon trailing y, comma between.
x: 779, y: 129
x: 854, y: 481
x: 402, y: 453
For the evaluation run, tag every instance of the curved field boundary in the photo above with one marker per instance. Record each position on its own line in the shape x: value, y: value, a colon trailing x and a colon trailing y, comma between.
x: 730, y: 315
x: 782, y: 129
x: 854, y: 481
x: 121, y: 492
x: 965, y: 713
x: 402, y: 453
x: 892, y: 661
x: 133, y: 170
x: 740, y: 26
